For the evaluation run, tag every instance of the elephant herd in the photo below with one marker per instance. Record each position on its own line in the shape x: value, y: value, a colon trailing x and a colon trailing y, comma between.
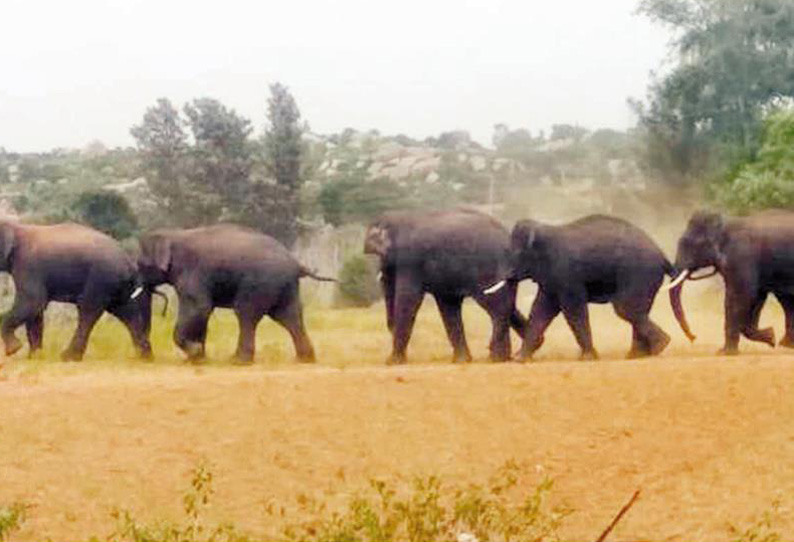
x: 450, y: 255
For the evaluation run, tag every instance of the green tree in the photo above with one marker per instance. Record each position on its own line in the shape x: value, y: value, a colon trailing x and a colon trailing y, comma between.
x: 768, y: 181
x: 162, y: 143
x: 107, y: 211
x: 734, y: 60
x: 220, y: 160
x: 283, y: 145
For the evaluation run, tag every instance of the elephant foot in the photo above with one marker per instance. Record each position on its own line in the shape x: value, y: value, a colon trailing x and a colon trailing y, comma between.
x: 658, y: 346
x: 71, y: 355
x: 34, y: 353
x: 636, y: 353
x: 767, y: 335
x: 787, y: 342
x: 145, y: 354
x: 13, y: 345
x: 194, y: 351
x: 461, y: 357
x: 590, y: 355
x: 307, y: 357
x: 396, y: 359
x: 728, y: 351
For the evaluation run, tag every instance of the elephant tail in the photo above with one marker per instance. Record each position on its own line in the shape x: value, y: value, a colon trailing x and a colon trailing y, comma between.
x: 306, y: 272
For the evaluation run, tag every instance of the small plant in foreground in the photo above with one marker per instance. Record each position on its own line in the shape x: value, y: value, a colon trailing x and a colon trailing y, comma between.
x: 499, y: 511
x: 760, y: 531
x: 11, y: 519
x: 192, y: 529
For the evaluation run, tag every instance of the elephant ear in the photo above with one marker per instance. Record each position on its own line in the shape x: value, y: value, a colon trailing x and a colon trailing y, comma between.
x: 525, y: 235
x: 161, y: 253
x: 8, y: 237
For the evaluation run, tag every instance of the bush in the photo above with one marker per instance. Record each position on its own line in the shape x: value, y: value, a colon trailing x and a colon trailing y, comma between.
x: 192, y: 529
x: 433, y: 512
x: 106, y: 211
x: 358, y: 283
x: 11, y: 519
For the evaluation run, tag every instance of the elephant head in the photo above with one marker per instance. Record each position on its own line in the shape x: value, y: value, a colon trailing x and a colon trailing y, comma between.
x: 8, y: 241
x: 378, y: 240
x: 699, y: 246
x: 528, y: 241
x: 154, y: 260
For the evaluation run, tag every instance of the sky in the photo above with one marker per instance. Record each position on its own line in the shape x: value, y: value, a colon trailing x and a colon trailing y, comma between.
x: 76, y: 71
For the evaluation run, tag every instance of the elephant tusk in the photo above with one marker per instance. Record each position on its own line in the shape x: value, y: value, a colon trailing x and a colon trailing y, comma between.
x: 138, y: 291
x: 678, y: 280
x: 495, y: 288
x: 706, y: 275
x: 380, y: 276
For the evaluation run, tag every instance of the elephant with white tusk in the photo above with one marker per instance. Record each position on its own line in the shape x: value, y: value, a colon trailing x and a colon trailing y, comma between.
x: 755, y: 256
x: 597, y: 259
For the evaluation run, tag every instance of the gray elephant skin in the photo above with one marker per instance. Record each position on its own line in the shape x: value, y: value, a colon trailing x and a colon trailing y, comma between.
x: 596, y: 259
x: 450, y: 255
x: 755, y: 256
x: 227, y: 266
x: 73, y: 264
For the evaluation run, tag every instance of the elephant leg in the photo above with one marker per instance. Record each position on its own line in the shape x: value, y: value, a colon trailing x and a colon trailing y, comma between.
x: 87, y: 317
x: 518, y: 322
x: 28, y: 304
x: 407, y: 299
x: 648, y: 339
x: 246, y: 342
x: 190, y: 333
x: 787, y: 301
x: 289, y: 313
x: 574, y: 308
x: 130, y: 315
x: 501, y: 307
x: 35, y: 332
x: 544, y: 309
x: 450, y: 309
x: 741, y: 317
x: 387, y: 285
x: 750, y: 329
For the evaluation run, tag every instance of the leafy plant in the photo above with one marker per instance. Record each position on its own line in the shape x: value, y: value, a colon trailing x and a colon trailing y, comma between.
x: 433, y: 512
x: 760, y: 531
x: 358, y: 285
x: 11, y: 519
x: 192, y: 528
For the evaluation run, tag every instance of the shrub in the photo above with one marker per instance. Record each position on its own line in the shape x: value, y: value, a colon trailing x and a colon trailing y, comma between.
x: 106, y: 211
x: 433, y: 512
x: 191, y: 529
x: 11, y: 519
x: 358, y: 284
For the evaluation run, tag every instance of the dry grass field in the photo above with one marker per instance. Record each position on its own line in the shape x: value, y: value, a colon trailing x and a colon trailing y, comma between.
x: 709, y: 440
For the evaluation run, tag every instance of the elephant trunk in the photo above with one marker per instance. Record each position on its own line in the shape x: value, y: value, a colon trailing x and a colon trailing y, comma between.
x: 678, y: 310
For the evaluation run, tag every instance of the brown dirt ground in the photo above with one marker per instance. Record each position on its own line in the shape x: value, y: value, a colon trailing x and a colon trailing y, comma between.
x: 709, y: 440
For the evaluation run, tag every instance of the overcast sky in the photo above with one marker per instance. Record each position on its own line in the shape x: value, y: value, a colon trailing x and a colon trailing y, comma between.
x: 78, y: 70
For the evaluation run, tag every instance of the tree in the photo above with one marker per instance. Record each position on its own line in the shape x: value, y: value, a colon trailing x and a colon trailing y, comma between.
x: 283, y: 145
x: 735, y: 60
x: 107, y: 211
x: 162, y: 142
x: 221, y: 159
x: 768, y: 181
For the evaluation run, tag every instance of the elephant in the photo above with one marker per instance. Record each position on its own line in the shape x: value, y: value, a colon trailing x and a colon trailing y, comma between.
x: 755, y: 257
x: 69, y: 263
x: 596, y: 259
x: 451, y: 255
x: 227, y: 266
